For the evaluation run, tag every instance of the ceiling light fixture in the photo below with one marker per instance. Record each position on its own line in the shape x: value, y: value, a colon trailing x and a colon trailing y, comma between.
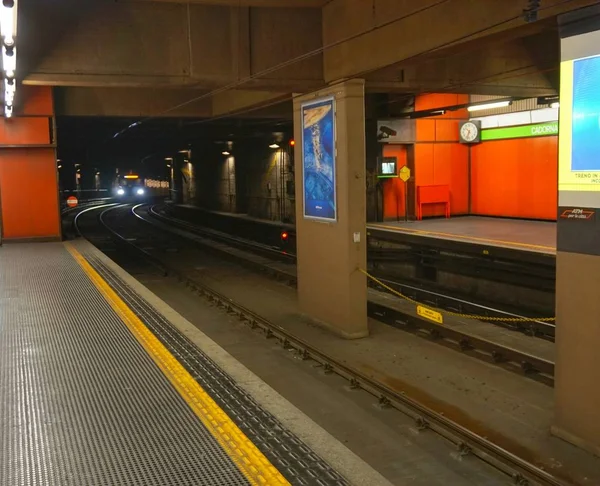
x: 489, y: 106
x: 274, y: 146
x: 225, y: 152
x: 556, y: 104
x: 8, y: 32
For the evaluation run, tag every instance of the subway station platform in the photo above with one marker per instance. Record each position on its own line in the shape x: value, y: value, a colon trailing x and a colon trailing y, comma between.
x: 102, y: 383
x: 509, y: 234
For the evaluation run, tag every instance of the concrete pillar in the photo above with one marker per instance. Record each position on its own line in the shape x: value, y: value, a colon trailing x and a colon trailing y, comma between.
x: 577, y: 372
x: 329, y: 128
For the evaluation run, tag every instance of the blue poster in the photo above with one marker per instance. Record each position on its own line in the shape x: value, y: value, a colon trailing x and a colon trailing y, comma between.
x: 585, y: 154
x: 318, y: 159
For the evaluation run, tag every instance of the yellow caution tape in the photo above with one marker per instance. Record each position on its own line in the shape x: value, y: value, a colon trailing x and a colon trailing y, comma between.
x: 431, y: 315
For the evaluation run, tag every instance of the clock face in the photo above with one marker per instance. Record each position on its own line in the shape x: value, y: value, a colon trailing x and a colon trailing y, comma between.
x: 469, y: 132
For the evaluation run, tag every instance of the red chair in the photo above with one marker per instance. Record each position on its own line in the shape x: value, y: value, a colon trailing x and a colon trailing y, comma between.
x: 433, y: 195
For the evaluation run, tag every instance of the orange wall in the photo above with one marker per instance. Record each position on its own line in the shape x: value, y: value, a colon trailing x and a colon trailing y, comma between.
x: 515, y: 178
x: 28, y: 178
x: 25, y: 131
x: 29, y: 193
x: 393, y: 189
x: 439, y: 157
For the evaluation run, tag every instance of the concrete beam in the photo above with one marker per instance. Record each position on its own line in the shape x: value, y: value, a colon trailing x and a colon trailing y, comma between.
x: 243, y: 102
x: 156, y: 44
x: 153, y: 102
x: 245, y: 3
x: 381, y: 33
x: 128, y: 102
x: 523, y: 67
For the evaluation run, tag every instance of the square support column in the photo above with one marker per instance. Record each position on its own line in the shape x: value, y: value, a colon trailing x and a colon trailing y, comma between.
x: 577, y: 370
x: 329, y: 128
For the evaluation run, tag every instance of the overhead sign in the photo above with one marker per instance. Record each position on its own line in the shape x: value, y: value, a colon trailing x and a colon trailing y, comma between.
x: 521, y: 131
x: 404, y: 173
x: 396, y: 131
x: 72, y: 201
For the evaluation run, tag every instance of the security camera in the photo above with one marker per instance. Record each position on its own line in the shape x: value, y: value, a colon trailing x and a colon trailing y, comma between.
x: 386, y: 132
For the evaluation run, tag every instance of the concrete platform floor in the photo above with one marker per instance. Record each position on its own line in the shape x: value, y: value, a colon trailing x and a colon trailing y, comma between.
x: 538, y: 236
x: 514, y: 411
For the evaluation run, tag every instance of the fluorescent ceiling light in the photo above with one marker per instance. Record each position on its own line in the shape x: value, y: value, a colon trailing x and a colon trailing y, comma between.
x: 9, y: 63
x: 8, y: 21
x: 556, y: 104
x: 225, y: 152
x: 274, y: 146
x: 489, y: 106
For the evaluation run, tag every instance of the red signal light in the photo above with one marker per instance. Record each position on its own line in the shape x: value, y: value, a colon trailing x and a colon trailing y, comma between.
x: 292, y: 143
x: 284, y: 235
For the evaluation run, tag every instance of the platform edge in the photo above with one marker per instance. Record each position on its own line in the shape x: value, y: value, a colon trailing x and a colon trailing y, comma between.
x: 330, y: 449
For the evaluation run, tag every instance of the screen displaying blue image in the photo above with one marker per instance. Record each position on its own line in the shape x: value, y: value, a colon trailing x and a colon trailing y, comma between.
x: 585, y: 155
x: 318, y: 160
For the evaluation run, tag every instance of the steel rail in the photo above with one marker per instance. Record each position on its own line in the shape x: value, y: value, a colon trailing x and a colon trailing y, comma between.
x: 511, y: 359
x: 117, y: 237
x: 218, y: 235
x: 437, y: 299
x: 522, y: 472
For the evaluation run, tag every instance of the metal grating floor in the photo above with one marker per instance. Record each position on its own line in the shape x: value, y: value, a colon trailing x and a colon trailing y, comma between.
x: 81, y: 403
x: 294, y: 459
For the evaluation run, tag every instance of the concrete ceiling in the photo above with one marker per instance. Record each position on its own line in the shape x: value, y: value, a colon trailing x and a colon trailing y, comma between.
x: 139, y: 57
x: 246, y: 3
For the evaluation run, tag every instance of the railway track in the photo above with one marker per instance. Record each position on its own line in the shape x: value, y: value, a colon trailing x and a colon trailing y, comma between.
x: 393, y: 312
x: 403, y: 318
x: 518, y: 470
x: 412, y: 289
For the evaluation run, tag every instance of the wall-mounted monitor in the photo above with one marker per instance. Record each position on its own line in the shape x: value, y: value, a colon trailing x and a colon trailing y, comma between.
x: 387, y: 167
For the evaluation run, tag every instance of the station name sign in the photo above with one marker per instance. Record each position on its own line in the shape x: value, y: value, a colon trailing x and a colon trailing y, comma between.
x: 522, y: 131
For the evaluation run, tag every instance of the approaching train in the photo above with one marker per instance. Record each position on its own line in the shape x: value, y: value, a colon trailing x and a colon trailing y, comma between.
x: 130, y: 186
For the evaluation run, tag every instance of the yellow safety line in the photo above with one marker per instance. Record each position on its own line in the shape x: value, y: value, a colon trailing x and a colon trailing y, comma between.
x: 248, y: 458
x: 463, y: 237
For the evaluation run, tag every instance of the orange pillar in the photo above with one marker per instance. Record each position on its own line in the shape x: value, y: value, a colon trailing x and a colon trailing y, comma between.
x: 28, y: 174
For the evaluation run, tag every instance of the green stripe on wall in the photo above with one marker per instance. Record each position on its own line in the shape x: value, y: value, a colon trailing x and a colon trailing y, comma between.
x: 523, y: 131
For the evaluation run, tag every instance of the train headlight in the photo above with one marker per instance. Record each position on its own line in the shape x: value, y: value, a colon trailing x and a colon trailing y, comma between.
x: 120, y: 192
x: 140, y: 192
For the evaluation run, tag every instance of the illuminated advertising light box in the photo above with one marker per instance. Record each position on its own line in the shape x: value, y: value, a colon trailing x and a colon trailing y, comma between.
x: 318, y: 159
x: 579, y: 145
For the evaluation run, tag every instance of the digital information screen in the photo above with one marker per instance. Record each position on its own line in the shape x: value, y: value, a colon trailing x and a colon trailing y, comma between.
x: 388, y: 167
x: 579, y: 143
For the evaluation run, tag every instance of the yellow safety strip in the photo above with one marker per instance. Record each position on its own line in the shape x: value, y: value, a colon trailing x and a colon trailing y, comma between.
x: 450, y: 313
x: 403, y: 229
x: 248, y: 458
